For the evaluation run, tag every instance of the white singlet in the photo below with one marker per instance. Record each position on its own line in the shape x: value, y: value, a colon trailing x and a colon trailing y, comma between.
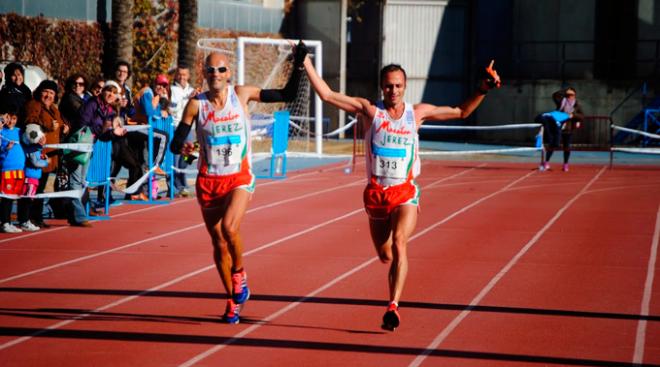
x: 392, y: 147
x: 223, y: 136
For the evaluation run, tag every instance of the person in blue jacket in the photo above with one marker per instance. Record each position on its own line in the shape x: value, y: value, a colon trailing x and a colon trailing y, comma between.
x: 12, y: 159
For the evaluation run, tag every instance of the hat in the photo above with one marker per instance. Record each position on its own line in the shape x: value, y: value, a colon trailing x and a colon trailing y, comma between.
x: 111, y: 83
x: 48, y: 84
x: 161, y: 79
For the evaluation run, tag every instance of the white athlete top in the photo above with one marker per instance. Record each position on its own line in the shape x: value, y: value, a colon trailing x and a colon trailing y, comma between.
x: 223, y: 136
x: 392, y: 149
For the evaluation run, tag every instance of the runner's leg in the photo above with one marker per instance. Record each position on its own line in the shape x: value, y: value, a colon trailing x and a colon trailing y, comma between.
x: 404, y: 219
x: 237, y: 202
x: 221, y: 254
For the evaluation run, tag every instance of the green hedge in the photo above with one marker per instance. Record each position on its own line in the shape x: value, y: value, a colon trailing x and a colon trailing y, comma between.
x: 59, y: 47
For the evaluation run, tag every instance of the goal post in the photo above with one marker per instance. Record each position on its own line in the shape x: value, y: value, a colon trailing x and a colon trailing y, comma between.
x: 265, y: 62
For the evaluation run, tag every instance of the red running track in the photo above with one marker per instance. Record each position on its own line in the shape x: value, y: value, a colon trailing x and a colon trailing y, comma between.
x: 508, y: 267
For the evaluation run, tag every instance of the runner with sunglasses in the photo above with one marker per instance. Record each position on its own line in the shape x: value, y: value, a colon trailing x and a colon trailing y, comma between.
x: 225, y: 182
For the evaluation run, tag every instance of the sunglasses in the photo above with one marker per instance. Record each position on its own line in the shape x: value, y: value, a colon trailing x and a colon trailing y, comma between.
x: 211, y: 69
x: 80, y: 83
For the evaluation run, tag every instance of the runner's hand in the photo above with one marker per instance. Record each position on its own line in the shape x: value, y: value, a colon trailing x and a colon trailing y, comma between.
x: 491, y: 79
x: 299, y: 53
x: 188, y: 148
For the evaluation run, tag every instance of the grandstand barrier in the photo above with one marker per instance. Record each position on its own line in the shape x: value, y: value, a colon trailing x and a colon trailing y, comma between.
x: 98, y: 175
x: 278, y: 159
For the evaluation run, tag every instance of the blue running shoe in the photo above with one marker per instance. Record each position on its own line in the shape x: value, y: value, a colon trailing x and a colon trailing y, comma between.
x: 241, y: 290
x: 232, y: 312
x: 391, y: 319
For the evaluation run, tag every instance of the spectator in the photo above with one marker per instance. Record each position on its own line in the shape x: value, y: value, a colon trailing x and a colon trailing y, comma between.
x: 101, y: 115
x: 12, y: 158
x: 15, y: 92
x: 122, y: 73
x: 95, y: 88
x: 42, y: 110
x: 181, y: 92
x: 152, y: 110
x: 33, y: 139
x: 559, y: 124
x: 73, y: 98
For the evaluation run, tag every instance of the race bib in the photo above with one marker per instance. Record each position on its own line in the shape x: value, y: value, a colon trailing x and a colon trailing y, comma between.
x: 225, y: 150
x: 389, y: 162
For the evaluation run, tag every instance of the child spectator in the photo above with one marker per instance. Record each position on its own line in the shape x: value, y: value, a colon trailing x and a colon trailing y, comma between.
x: 35, y: 160
x: 12, y: 158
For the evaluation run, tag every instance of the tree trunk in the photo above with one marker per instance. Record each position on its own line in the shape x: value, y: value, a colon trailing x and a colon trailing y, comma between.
x: 187, y: 35
x: 122, y: 30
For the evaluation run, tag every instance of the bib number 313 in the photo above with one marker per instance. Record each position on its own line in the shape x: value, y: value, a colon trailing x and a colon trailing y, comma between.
x: 389, y: 167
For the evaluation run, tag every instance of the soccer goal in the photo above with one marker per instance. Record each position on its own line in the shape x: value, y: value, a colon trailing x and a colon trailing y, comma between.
x: 267, y: 63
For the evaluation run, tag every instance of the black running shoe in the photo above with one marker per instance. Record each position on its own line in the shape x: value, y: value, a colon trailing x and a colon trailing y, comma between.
x: 391, y: 319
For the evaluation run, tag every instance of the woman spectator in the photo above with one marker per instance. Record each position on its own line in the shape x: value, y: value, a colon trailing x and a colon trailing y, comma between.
x: 73, y: 98
x: 15, y: 92
x: 152, y: 109
x: 42, y: 110
x: 95, y: 88
x: 152, y: 106
x: 102, y: 115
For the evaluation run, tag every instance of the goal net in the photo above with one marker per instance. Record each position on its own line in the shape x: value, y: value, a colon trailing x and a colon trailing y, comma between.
x: 267, y: 63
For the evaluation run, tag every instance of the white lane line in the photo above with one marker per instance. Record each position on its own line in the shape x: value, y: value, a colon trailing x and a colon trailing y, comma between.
x: 172, y: 282
x: 291, y: 306
x: 458, y: 319
x: 153, y: 207
x: 148, y: 239
x: 640, y: 339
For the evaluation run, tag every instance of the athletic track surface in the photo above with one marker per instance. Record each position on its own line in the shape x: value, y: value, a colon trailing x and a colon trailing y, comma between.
x: 508, y: 267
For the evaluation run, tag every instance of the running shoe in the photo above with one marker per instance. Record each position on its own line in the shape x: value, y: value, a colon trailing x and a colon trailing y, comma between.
x: 231, y: 312
x: 241, y: 290
x: 28, y: 226
x: 10, y: 228
x: 565, y: 167
x: 391, y: 319
x: 546, y: 166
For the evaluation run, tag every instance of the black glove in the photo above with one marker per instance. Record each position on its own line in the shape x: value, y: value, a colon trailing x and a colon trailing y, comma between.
x: 299, y: 54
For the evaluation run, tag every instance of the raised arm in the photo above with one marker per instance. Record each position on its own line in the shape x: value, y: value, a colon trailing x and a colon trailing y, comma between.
x: 341, y: 101
x: 287, y: 94
x: 429, y: 112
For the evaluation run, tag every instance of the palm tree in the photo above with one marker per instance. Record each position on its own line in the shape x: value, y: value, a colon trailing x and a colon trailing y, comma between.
x: 187, y: 34
x: 122, y: 30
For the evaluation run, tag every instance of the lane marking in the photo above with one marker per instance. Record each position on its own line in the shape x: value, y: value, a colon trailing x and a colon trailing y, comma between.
x: 153, y: 207
x: 291, y: 306
x: 163, y: 235
x: 640, y: 339
x: 458, y: 319
x: 183, y: 277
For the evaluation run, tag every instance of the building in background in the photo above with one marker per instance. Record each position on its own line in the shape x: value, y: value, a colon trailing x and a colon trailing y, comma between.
x: 606, y: 49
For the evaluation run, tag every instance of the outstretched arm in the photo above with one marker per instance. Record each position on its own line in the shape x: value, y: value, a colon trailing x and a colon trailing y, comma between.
x: 429, y: 112
x: 342, y: 101
x: 288, y: 93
